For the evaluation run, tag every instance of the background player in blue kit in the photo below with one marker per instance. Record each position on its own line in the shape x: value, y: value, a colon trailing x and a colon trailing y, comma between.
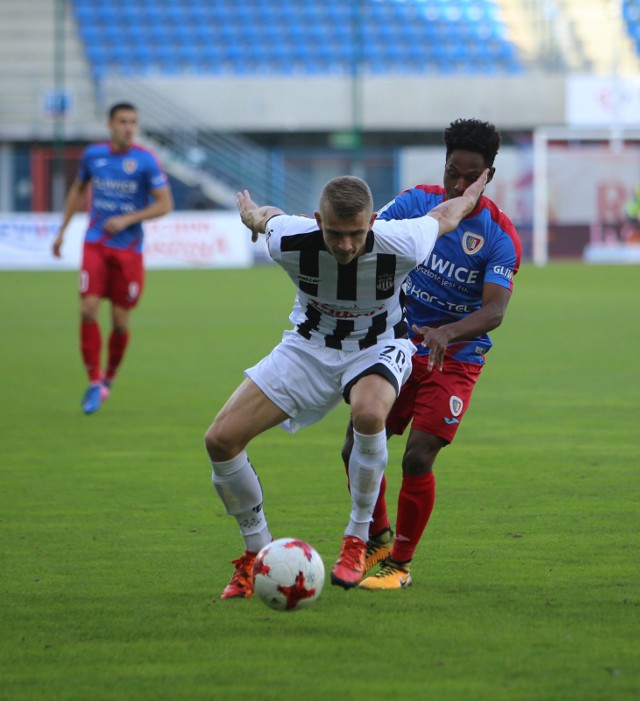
x: 348, y: 343
x: 452, y: 300
x: 128, y: 187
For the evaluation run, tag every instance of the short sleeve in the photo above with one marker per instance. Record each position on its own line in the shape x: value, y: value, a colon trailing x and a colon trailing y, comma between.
x: 83, y: 168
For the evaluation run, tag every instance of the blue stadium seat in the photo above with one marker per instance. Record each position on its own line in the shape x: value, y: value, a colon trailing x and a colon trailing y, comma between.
x: 134, y: 34
x: 306, y: 36
x: 158, y: 33
x: 97, y: 53
x: 84, y: 14
x: 90, y: 33
x: 174, y: 14
x: 106, y: 14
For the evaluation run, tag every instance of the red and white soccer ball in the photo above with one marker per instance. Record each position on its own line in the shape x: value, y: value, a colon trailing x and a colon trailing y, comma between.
x: 288, y: 574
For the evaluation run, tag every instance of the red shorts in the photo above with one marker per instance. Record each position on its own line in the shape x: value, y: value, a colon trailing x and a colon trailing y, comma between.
x: 112, y: 273
x: 436, y: 401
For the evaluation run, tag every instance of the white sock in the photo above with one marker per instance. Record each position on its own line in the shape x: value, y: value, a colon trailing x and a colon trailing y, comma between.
x: 366, y: 467
x: 239, y: 488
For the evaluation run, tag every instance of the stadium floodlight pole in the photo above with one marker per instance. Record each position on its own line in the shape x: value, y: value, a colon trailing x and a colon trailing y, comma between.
x: 540, y: 199
x: 59, y: 107
x: 357, y: 85
x: 615, y: 140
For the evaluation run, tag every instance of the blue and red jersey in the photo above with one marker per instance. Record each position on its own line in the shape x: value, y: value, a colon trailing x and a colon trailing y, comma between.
x: 122, y: 182
x: 448, y: 284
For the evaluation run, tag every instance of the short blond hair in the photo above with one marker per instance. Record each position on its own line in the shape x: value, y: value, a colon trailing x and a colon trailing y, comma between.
x: 346, y: 196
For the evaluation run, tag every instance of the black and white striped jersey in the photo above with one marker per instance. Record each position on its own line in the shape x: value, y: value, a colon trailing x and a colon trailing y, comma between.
x: 353, y: 306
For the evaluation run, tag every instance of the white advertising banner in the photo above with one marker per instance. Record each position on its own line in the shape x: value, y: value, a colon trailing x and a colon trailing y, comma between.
x: 179, y: 240
x: 603, y: 101
x: 197, y: 240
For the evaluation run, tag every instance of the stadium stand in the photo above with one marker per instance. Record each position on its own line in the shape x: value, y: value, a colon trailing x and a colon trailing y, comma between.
x: 146, y: 37
x: 179, y: 60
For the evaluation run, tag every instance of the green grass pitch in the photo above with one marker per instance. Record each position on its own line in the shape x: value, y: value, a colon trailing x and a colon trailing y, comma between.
x: 114, y: 547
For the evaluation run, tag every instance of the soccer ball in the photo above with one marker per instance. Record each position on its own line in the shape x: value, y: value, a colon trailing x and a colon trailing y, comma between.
x: 288, y: 574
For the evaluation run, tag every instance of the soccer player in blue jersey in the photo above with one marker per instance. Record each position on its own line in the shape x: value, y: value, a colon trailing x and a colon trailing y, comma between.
x: 128, y: 187
x: 453, y: 299
x: 348, y: 343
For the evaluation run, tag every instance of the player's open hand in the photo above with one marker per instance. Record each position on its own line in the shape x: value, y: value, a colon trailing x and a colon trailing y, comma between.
x: 436, y: 340
x: 114, y: 225
x: 476, y: 188
x: 56, y: 246
x: 248, y: 209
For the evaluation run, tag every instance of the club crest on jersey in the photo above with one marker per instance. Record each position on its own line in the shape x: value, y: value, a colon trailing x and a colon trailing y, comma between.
x: 384, y: 282
x: 455, y: 405
x: 129, y: 165
x: 472, y: 243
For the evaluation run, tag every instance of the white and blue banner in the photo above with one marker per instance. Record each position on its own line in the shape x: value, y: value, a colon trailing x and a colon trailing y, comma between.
x: 179, y: 240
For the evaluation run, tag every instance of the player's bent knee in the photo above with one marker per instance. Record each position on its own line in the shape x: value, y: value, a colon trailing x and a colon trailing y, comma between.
x: 88, y: 317
x: 368, y: 421
x: 419, y: 460
x: 215, y: 443
x: 415, y: 469
x: 220, y: 444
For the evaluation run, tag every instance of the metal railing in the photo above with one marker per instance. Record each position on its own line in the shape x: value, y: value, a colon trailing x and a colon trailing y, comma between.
x: 219, y: 163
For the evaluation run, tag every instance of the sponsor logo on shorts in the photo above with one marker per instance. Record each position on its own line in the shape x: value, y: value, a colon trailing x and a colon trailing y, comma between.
x: 84, y: 281
x: 447, y: 420
x: 134, y: 290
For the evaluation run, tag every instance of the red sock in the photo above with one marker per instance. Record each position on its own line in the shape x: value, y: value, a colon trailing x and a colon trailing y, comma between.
x: 117, y: 346
x: 90, y: 347
x: 415, y: 504
x: 380, y: 518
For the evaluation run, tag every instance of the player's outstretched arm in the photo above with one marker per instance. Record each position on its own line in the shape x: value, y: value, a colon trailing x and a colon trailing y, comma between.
x: 253, y: 217
x: 449, y: 213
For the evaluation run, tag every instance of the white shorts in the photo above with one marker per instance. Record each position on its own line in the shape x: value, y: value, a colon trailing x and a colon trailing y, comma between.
x: 308, y: 381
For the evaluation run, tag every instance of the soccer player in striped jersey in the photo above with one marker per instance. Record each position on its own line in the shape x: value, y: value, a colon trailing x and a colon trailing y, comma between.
x: 128, y: 187
x: 453, y: 299
x: 349, y: 341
